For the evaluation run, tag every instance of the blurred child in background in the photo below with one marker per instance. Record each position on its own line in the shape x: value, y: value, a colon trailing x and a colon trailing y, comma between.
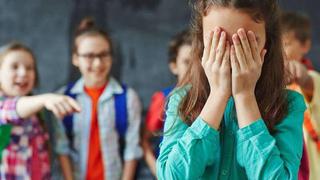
x: 297, y: 43
x: 25, y: 154
x: 103, y: 140
x: 179, y: 59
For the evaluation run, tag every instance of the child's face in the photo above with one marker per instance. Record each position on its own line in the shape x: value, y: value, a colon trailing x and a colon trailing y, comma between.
x: 17, y: 73
x: 294, y: 49
x: 230, y: 20
x: 93, y: 60
x: 180, y: 67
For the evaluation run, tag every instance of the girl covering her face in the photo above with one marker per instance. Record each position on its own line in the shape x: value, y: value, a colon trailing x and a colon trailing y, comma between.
x: 231, y: 117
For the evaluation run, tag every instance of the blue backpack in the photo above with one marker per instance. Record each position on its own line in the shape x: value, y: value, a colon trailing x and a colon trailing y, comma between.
x: 121, y: 118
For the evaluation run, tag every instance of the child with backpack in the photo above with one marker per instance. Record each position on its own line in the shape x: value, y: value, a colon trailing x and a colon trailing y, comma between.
x: 24, y: 134
x: 103, y: 139
x: 179, y: 58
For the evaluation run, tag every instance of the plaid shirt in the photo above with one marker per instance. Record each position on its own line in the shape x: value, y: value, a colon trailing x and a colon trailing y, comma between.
x: 108, y: 134
x: 26, y: 156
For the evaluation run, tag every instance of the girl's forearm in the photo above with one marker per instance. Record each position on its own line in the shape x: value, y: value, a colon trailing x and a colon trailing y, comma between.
x: 148, y: 153
x: 66, y: 167
x: 129, y: 169
x: 247, y: 109
x: 30, y: 105
x: 213, y: 110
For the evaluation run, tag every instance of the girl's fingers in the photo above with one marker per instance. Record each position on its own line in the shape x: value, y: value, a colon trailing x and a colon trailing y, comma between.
x: 207, y: 46
x: 56, y: 112
x: 67, y: 107
x: 292, y: 70
x: 245, y: 45
x: 239, y: 52
x: 226, y: 57
x: 74, y: 104
x: 254, y: 46
x: 214, y: 44
x: 263, y: 55
x: 61, y: 109
x: 221, y: 48
x: 234, y: 62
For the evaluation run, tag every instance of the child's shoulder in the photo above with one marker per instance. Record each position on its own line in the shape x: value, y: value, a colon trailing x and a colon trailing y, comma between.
x: 295, y: 101
x: 177, y: 94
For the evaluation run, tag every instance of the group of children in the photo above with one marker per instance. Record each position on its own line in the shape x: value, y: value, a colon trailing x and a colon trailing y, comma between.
x: 90, y: 129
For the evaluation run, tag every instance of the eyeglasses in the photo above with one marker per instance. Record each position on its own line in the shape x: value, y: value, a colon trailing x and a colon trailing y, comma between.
x: 103, y: 56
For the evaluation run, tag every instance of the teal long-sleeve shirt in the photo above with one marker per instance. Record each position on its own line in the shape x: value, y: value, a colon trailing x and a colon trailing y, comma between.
x: 200, y: 152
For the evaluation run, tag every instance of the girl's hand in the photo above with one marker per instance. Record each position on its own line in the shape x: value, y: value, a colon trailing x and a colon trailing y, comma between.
x: 246, y: 63
x: 297, y: 72
x: 216, y: 63
x: 60, y: 105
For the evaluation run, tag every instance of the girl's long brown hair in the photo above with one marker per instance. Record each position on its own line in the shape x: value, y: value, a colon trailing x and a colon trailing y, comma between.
x: 270, y: 94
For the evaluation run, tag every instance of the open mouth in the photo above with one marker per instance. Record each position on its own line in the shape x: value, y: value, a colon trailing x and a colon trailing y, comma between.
x: 21, y: 85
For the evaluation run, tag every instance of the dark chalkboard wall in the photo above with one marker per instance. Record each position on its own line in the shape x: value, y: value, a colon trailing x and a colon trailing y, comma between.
x: 140, y: 29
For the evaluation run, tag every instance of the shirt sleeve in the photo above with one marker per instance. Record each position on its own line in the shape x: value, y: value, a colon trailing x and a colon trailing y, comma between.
x: 186, y: 151
x: 133, y: 149
x: 276, y: 156
x: 154, y: 118
x: 8, y: 110
x: 61, y: 140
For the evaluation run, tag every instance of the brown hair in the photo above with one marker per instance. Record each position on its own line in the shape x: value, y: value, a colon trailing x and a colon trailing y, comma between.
x: 271, y: 83
x: 297, y: 23
x: 16, y: 46
x: 87, y: 27
x: 180, y: 39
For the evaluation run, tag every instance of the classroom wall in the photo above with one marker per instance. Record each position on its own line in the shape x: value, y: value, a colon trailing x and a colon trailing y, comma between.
x: 140, y: 30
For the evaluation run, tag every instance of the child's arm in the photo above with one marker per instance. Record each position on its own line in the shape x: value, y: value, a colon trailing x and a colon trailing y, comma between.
x: 66, y: 167
x: 153, y: 123
x: 61, y: 147
x: 301, y: 76
x: 186, y: 151
x: 262, y: 155
x: 148, y: 152
x: 60, y: 105
x: 133, y: 150
x: 273, y: 156
x: 129, y: 169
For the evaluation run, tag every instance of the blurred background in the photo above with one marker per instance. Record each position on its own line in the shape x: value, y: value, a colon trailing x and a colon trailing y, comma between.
x: 141, y: 30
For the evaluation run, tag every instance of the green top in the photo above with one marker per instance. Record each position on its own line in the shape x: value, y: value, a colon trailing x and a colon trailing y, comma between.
x: 200, y: 152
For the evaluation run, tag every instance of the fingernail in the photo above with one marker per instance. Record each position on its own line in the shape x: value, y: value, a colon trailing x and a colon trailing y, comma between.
x: 223, y: 34
x: 251, y: 35
x: 235, y: 38
x: 217, y: 29
x: 241, y: 31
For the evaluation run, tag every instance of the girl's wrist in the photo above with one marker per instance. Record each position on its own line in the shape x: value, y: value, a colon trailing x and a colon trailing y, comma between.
x: 244, y: 96
x: 43, y: 98
x: 223, y: 95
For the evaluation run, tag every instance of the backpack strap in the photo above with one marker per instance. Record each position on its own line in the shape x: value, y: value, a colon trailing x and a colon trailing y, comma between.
x: 121, y: 118
x: 68, y: 120
x: 167, y: 91
x: 121, y: 112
